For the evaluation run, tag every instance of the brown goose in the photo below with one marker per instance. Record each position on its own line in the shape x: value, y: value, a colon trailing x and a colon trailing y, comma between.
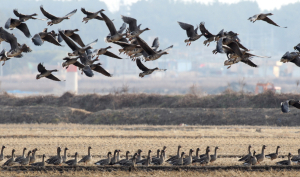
x: 273, y: 156
x: 263, y: 17
x: 71, y: 34
x: 105, y: 161
x: 65, y: 157
x: 178, y: 161
x: 114, y: 34
x: 286, y: 162
x: 46, y: 73
x: 176, y: 156
x: 144, y: 161
x: 134, y: 31
x: 19, y: 159
x: 203, y: 155
x: 12, y: 23
x: 32, y: 158
x: 296, y: 158
x: 251, y: 160
x: 2, y: 155
x: 209, y: 37
x: 26, y: 160
x: 52, y: 159
x: 91, y: 15
x: 39, y: 38
x: 164, y: 148
x: 191, y: 32
x: 104, y: 51
x: 157, y: 154
x: 188, y: 160
x: 261, y: 157
x: 214, y: 157
x: 76, y: 50
x: 204, y: 160
x: 88, y: 158
x: 11, y: 161
x: 197, y: 154
x: 123, y: 160
x: 131, y: 162
x: 151, y: 54
x: 160, y: 160
x: 127, y: 47
x: 285, y: 105
x: 69, y: 61
x: 146, y: 71
x: 246, y: 157
x: 40, y: 164
x: 54, y: 19
x: 24, y: 18
x: 72, y: 162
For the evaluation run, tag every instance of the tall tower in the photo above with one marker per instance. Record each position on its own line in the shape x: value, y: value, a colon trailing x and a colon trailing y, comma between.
x: 72, y: 79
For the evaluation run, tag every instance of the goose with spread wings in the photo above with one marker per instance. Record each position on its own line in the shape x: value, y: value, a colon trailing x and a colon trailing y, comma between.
x: 293, y: 57
x: 191, y: 32
x: 286, y: 104
x: 263, y: 17
x: 71, y: 33
x: 134, y: 30
x: 24, y: 18
x: 46, y: 73
x: 104, y: 51
x: 150, y: 54
x: 12, y: 23
x: 39, y: 38
x: 54, y: 19
x: 209, y: 37
x: 146, y: 71
x: 76, y: 50
x: 91, y: 15
x: 140, y: 51
x: 114, y: 34
x: 127, y: 47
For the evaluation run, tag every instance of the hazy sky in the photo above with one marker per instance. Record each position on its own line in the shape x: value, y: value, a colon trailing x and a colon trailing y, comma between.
x: 264, y: 5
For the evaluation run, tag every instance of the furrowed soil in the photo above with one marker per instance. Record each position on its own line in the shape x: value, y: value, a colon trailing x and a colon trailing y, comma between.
x: 228, y: 108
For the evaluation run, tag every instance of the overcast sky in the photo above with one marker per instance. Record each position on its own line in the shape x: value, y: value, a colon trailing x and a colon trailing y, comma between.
x: 264, y: 5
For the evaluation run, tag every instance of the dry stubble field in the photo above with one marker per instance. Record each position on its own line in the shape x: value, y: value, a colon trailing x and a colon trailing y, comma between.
x: 232, y: 141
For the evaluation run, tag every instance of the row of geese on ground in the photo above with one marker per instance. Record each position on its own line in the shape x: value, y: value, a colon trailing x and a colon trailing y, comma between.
x: 129, y: 41
x: 160, y: 158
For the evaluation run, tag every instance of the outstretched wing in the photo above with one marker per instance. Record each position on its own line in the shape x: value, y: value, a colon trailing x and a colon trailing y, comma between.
x: 107, y: 53
x: 47, y: 14
x: 69, y: 42
x: 155, y: 44
x: 50, y: 76
x: 17, y: 13
x: 204, y: 31
x: 294, y: 103
x: 41, y: 68
x: 234, y: 46
x: 266, y: 19
x: 23, y: 27
x: 10, y: 38
x: 101, y: 70
x: 51, y: 39
x: 131, y: 22
x: 71, y: 13
x: 190, y: 32
x: 140, y: 65
x: 249, y: 62
x: 109, y: 24
x: 77, y: 39
x: 145, y: 46
x: 86, y: 12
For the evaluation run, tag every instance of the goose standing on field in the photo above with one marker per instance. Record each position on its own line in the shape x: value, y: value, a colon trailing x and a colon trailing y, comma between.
x: 146, y: 71
x: 39, y: 38
x: 160, y: 160
x: 54, y: 19
x: 65, y: 157
x: 273, y: 156
x: 139, y: 155
x: 72, y: 162
x: 11, y: 161
x: 285, y: 105
x: 203, y: 155
x: 251, y: 160
x: 246, y: 157
x: 123, y: 160
x: 263, y: 17
x: 114, y: 34
x: 191, y: 33
x: 176, y: 156
x: 261, y: 157
x: 88, y: 158
x: 197, y: 154
x: 32, y: 158
x: 91, y: 15
x: 188, y: 160
x: 52, y: 159
x: 131, y: 162
x: 106, y: 161
x: 144, y: 161
x: 204, y: 160
x: 2, y: 155
x: 134, y: 31
x: 26, y: 160
x: 296, y: 158
x: 114, y: 159
x: 19, y: 159
x: 214, y: 157
x: 40, y: 164
x: 46, y: 73
x: 286, y: 162
x: 178, y: 161
x: 12, y: 23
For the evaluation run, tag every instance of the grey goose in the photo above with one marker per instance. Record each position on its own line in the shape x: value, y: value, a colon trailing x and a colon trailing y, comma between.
x: 190, y: 32
x: 46, y: 73
x: 146, y: 71
x: 91, y: 15
x: 286, y: 104
x: 264, y: 17
x: 55, y: 20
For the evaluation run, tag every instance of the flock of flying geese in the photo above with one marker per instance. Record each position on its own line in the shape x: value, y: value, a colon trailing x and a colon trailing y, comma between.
x: 114, y: 159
